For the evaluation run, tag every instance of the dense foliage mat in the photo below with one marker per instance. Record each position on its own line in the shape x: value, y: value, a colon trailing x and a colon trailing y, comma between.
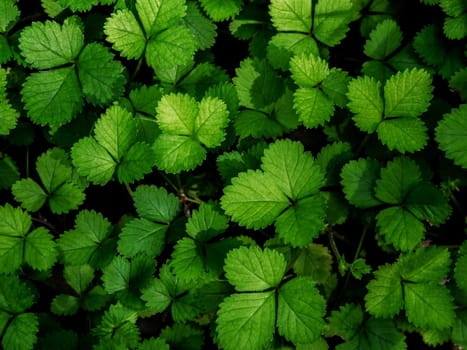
x: 233, y: 174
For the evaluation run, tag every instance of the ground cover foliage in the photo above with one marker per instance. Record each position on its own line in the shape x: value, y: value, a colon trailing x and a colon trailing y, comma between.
x: 233, y: 174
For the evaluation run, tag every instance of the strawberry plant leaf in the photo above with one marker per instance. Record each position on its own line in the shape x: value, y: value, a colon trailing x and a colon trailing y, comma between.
x: 291, y: 15
x: 403, y: 134
x: 206, y: 223
x: 246, y: 320
x: 426, y: 265
x: 89, y: 241
x: 40, y: 249
x: 157, y: 15
x: 461, y: 268
x: 79, y: 277
x: 358, y: 179
x: 9, y: 13
x: 407, y: 93
x: 366, y: 102
x: 220, y: 10
x: 64, y: 305
x: 49, y: 44
x: 123, y: 31
x: 384, y: 40
x: 283, y: 46
x: 345, y: 322
x: 300, y: 311
x: 308, y: 70
x: 52, y: 96
x: 142, y: 235
x: 16, y: 296
x: 451, y: 135
x: 156, y: 204
x: 202, y: 28
x: 30, y: 194
x: 314, y: 261
x: 21, y: 332
x: 250, y: 269
x: 331, y: 20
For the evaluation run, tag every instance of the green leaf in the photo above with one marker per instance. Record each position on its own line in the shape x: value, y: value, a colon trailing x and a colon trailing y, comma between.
x: 156, y: 296
x: 308, y: 70
x: 149, y: 344
x: 174, y: 46
x: 292, y: 168
x: 157, y: 15
x: 40, y: 250
x: 331, y: 158
x: 256, y: 124
x: 366, y: 102
x: 384, y: 40
x: 254, y: 199
x: 142, y: 236
x: 9, y: 13
x: 397, y: 179
x: 65, y: 305
x: 176, y: 114
x: 300, y: 311
x: 31, y: 195
x: 211, y: 121
x: 253, y: 269
x: 426, y: 265
x: 283, y: 46
x: 302, y: 222
x: 358, y: 181
x: 429, y: 305
x: 183, y: 336
x: 206, y: 223
x: 400, y: 227
x: 403, y: 134
x: 246, y: 321
x: 455, y: 27
x: 202, y: 28
x: 16, y: 296
x: 123, y: 31
x: 460, y: 268
x: 188, y: 261
x: 345, y: 322
x: 8, y: 119
x: 136, y: 163
x: 335, y: 86
x: 100, y: 76
x: 9, y: 173
x: 384, y: 297
x: 21, y: 333
x: 88, y: 242
x: 313, y: 107
x: 331, y: 20
x: 451, y: 134
x: 459, y: 328
x: 156, y: 203
x: 383, y: 334
x: 79, y: 277
x: 314, y: 261
x: 93, y: 161
x: 65, y: 198
x: 52, y: 97
x: 291, y: 15
x: 407, y: 93
x: 220, y: 10
x: 48, y: 44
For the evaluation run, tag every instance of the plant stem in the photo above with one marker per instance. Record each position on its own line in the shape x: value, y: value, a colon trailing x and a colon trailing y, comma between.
x: 362, y: 144
x: 333, y: 244
x: 129, y: 190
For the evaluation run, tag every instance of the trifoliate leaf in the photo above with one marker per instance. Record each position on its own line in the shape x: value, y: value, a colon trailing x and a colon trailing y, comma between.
x: 300, y: 311
x: 9, y: 13
x: 291, y: 15
x: 101, y: 77
x: 202, y: 28
x: 156, y: 296
x: 123, y: 31
x: 366, y: 102
x: 313, y: 107
x: 400, y: 227
x: 157, y: 15
x: 206, y: 223
x: 384, y: 40
x: 40, y: 250
x: 302, y: 222
x: 136, y: 163
x: 331, y: 20
x: 283, y: 46
x: 397, y: 179
x: 407, y: 93
x: 53, y: 96
x: 345, y: 322
x: 142, y: 235
x: 308, y: 70
x: 253, y: 269
x: 88, y: 242
x: 64, y: 305
x: 403, y: 134
x: 335, y: 86
x: 78, y: 277
x: 451, y: 135
x: 246, y: 321
x: 358, y: 181
x: 21, y: 333
x: 384, y: 297
x: 425, y: 265
x: 48, y: 44
x: 188, y: 261
x: 429, y: 305
x: 118, y: 325
x: 174, y: 46
x: 220, y: 10
x: 186, y: 126
x: 292, y: 168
